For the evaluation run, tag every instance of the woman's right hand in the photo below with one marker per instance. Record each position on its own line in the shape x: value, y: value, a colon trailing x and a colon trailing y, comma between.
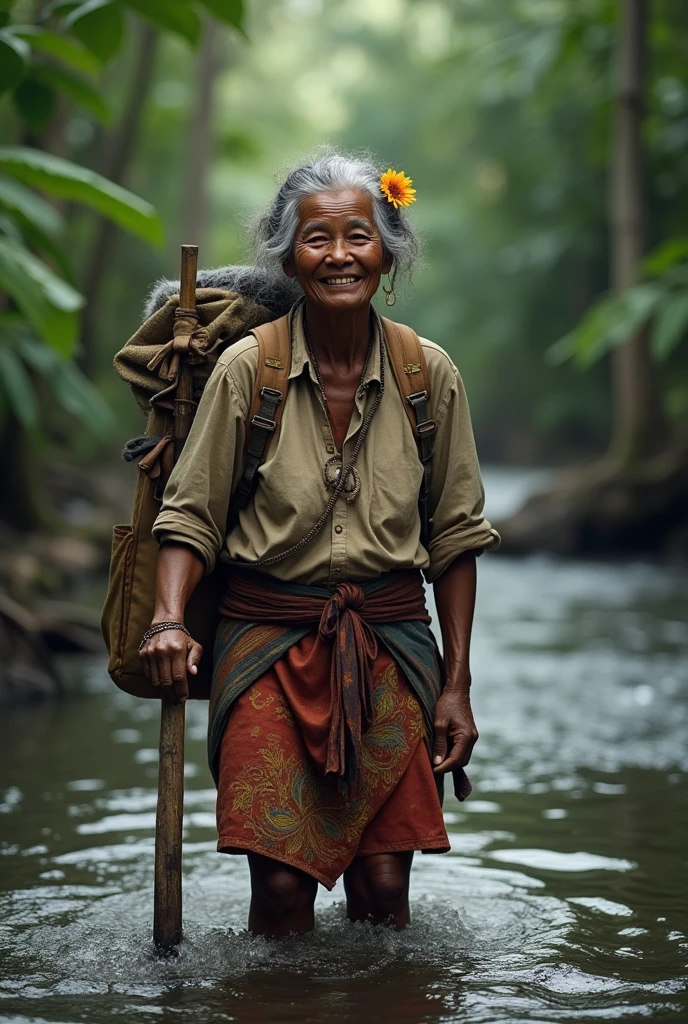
x: 167, y: 658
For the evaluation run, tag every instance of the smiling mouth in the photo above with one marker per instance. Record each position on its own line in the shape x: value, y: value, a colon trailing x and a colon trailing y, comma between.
x: 340, y: 280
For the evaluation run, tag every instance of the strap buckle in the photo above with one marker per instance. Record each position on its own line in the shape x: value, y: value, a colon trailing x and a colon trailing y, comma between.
x: 263, y: 422
x: 417, y: 397
x: 426, y: 429
x: 271, y: 393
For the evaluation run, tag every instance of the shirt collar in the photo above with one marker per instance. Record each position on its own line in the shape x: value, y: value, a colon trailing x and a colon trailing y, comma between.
x: 300, y: 360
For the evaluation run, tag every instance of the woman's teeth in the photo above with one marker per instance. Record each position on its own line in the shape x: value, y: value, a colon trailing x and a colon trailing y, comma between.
x: 340, y: 280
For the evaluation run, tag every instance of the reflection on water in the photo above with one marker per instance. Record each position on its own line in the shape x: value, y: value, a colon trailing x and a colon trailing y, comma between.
x: 563, y: 899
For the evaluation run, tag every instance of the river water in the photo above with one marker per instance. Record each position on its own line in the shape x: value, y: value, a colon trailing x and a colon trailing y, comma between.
x: 563, y: 899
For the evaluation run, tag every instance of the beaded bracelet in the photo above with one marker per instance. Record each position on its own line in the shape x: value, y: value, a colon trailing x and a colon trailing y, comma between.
x: 160, y: 627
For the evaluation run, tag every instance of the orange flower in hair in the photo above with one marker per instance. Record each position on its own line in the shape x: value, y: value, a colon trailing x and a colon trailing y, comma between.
x: 397, y: 187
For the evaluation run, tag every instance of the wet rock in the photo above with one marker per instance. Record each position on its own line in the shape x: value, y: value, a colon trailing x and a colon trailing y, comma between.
x: 601, y: 510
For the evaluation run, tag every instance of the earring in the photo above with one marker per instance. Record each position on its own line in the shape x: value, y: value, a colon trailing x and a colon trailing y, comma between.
x: 390, y: 294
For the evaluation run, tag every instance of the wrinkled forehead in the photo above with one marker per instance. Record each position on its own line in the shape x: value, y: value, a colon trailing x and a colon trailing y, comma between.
x: 345, y: 206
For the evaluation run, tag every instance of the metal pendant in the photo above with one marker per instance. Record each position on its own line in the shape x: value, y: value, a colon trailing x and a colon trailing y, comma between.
x: 331, y: 473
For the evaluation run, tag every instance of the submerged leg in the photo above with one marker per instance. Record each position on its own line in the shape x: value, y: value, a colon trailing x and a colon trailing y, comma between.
x: 377, y: 888
x: 282, y: 898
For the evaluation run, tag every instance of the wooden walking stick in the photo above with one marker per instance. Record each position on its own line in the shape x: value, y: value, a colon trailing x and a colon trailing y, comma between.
x: 167, y: 895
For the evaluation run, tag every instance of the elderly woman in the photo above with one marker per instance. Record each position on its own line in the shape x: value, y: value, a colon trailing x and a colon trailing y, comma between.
x: 333, y: 718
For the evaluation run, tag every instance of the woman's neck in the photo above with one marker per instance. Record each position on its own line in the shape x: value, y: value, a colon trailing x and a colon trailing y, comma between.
x: 340, y: 339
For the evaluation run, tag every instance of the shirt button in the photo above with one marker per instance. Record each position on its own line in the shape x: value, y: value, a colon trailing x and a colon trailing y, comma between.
x: 338, y: 529
x: 329, y: 449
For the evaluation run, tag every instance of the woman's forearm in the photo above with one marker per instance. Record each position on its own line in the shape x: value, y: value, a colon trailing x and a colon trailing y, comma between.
x: 455, y: 599
x: 179, y: 572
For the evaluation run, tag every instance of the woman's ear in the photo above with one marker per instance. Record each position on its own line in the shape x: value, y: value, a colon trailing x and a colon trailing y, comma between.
x: 288, y: 267
x: 387, y: 263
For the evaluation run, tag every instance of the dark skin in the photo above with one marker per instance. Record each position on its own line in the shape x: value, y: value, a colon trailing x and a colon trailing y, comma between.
x: 339, y: 259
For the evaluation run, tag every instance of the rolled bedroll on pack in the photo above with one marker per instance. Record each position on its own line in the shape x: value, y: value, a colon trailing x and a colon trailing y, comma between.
x: 167, y: 363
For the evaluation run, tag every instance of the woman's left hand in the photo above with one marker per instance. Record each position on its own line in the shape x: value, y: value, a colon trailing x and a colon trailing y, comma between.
x: 455, y: 732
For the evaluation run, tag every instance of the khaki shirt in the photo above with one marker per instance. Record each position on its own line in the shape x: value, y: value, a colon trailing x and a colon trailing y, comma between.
x: 376, y: 532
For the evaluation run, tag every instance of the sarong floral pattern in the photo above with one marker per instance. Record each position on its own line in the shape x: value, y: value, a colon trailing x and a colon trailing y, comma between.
x: 274, y: 796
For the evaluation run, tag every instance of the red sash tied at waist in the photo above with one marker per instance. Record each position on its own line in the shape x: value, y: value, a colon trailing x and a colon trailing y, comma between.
x: 342, y: 618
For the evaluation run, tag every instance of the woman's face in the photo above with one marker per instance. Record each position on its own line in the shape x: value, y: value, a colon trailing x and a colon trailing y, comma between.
x: 338, y: 256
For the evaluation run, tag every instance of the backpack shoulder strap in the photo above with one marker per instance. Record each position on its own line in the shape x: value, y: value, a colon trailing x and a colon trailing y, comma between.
x: 269, y: 395
x: 274, y: 364
x: 413, y: 380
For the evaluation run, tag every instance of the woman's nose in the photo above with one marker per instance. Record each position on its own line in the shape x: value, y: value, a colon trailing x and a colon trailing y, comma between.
x: 339, y: 251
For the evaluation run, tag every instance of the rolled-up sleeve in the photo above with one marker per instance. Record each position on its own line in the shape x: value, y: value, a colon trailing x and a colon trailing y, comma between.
x: 196, y: 502
x: 456, y: 495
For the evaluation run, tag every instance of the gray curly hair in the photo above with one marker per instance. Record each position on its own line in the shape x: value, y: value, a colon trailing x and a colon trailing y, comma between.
x: 274, y: 230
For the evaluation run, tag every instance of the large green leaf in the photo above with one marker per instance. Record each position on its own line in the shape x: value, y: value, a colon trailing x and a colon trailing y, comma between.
x: 230, y: 11
x: 35, y: 101
x: 99, y: 25
x: 76, y: 88
x: 77, y: 395
x: 67, y: 180
x: 70, y: 388
x: 48, y: 302
x: 67, y: 50
x: 170, y: 15
x: 671, y: 324
x: 610, y: 322
x: 666, y: 256
x: 29, y: 206
x: 15, y: 223
x: 14, y: 60
x: 591, y: 331
x: 44, y: 244
x: 17, y: 389
x: 61, y: 7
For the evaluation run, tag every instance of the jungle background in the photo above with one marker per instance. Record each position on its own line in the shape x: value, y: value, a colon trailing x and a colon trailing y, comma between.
x: 548, y: 143
x: 130, y: 126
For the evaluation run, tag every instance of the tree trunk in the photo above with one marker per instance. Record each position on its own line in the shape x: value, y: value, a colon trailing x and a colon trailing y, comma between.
x: 116, y: 166
x: 639, y: 426
x: 195, y: 202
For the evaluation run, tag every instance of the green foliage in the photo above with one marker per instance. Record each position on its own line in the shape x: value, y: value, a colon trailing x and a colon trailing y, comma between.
x: 170, y: 16
x: 66, y: 50
x: 660, y: 302
x: 29, y: 206
x: 671, y: 324
x: 47, y: 302
x: 67, y: 180
x: 99, y: 25
x: 14, y: 59
x: 61, y: 60
x: 231, y: 12
x: 500, y: 110
x: 75, y: 88
x: 23, y: 358
x: 17, y: 391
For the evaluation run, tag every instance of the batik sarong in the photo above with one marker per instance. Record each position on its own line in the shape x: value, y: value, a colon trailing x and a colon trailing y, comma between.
x: 274, y: 796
